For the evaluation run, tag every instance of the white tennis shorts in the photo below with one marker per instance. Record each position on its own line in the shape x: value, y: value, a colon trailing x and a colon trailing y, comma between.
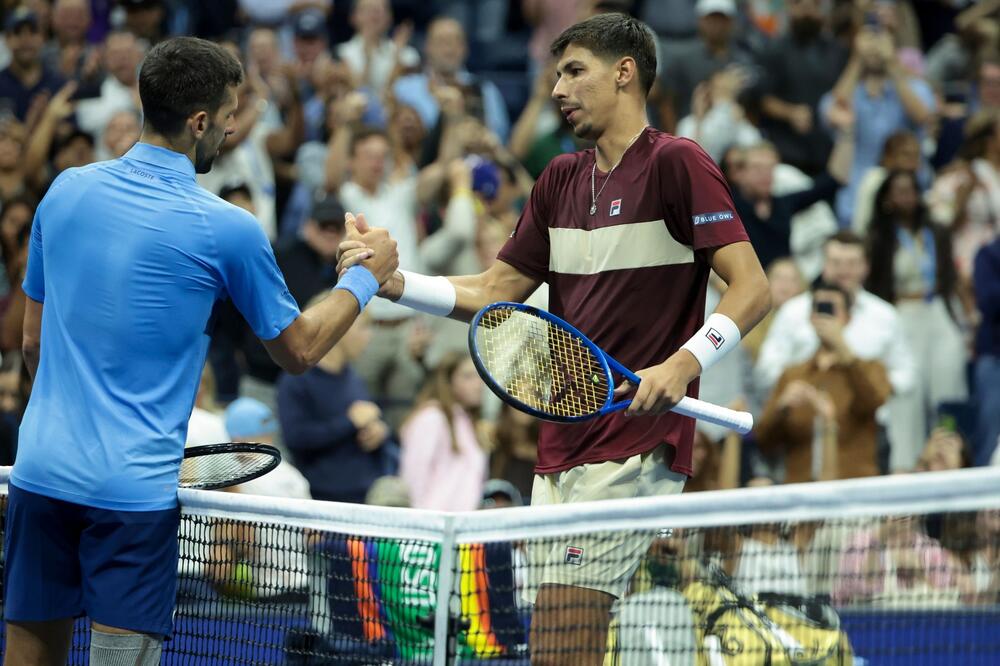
x: 600, y: 561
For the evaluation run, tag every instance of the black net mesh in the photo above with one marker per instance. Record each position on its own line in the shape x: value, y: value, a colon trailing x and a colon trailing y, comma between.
x: 887, y: 590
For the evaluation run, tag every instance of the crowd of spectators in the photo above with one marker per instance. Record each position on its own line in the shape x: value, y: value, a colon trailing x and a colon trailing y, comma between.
x: 860, y: 138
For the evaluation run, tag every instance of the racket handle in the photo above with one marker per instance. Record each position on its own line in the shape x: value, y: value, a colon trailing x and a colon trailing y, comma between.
x: 741, y: 422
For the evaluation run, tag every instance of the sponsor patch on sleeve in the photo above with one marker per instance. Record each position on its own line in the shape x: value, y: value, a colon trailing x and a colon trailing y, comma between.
x: 711, y: 218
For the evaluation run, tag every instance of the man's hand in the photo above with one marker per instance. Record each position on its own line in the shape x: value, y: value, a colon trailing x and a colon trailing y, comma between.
x: 373, y: 435
x: 662, y: 385
x: 363, y: 413
x: 831, y: 336
x: 382, y: 257
x: 801, y: 118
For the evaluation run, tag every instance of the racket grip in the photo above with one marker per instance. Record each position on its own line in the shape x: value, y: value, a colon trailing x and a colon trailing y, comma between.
x: 741, y: 422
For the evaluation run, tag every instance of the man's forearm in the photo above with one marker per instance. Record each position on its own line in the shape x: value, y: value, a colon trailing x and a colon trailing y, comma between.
x: 746, y: 302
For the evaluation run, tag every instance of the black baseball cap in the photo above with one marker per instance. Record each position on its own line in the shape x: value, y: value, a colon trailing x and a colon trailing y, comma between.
x: 327, y: 211
x: 20, y: 17
x: 309, y: 24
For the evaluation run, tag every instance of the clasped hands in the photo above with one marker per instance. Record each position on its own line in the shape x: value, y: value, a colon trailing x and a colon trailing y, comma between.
x: 371, y: 247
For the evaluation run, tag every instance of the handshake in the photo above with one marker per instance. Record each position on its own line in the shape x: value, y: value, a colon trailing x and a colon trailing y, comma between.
x: 374, y: 249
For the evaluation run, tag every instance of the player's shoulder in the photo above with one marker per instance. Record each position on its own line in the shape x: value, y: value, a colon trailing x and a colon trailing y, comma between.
x: 78, y: 176
x: 225, y: 219
x: 673, y: 148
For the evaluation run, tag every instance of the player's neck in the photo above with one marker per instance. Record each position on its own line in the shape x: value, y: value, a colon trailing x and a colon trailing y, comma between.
x: 616, y: 139
x: 156, y: 139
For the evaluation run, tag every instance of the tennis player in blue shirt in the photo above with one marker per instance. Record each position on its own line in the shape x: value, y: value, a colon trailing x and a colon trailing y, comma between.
x: 127, y: 259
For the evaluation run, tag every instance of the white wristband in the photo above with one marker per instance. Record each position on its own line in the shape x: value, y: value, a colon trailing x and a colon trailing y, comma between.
x: 714, y: 340
x: 431, y: 294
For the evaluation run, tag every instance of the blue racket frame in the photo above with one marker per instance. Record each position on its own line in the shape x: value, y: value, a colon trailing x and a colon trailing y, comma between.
x: 608, y: 363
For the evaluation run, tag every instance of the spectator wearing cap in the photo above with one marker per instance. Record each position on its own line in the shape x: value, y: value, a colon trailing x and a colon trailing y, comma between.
x: 500, y: 494
x: 26, y: 81
x: 308, y: 260
x: 249, y: 420
x: 310, y: 40
x: 374, y: 58
x: 444, y: 56
x: 122, y: 54
x: 798, y: 68
x: 715, y: 49
x: 146, y: 19
x: 335, y: 433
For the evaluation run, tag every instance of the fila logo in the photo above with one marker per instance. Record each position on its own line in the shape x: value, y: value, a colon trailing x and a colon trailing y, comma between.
x: 715, y: 338
x: 574, y: 555
x: 616, y: 207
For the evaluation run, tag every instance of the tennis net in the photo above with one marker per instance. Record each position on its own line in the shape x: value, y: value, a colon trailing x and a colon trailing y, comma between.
x: 893, y: 570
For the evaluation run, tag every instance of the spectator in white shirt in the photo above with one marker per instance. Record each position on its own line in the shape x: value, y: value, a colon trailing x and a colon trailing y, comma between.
x: 123, y: 53
x: 873, y: 332
x: 374, y: 59
x: 390, y: 369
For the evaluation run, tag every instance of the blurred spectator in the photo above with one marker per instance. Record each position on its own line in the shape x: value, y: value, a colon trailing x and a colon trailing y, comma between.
x: 896, y: 562
x: 945, y: 450
x: 717, y: 120
x: 821, y: 415
x: 951, y: 62
x: 768, y: 218
x: 715, y: 465
x: 960, y: 108
x: 547, y: 19
x: 120, y: 89
x: 249, y: 420
x: 14, y: 179
x: 206, y: 425
x: 698, y: 61
x: 309, y: 260
x: 911, y: 267
x: 13, y: 399
x: 309, y: 43
x: 515, y: 449
x: 987, y: 364
x: 374, y: 59
x: 966, y: 198
x: 901, y: 152
x: 68, y: 52
x: 973, y: 540
x: 786, y: 282
x: 146, y: 19
x: 798, y: 69
x: 873, y: 332
x: 119, y: 135
x: 874, y: 98
x: 15, y: 228
x: 443, y: 461
x: 500, y: 494
x: 444, y: 67
x: 26, y: 82
x: 264, y: 135
x: 331, y: 426
x: 389, y: 491
x: 541, y: 132
x: 273, y: 12
x: 388, y: 366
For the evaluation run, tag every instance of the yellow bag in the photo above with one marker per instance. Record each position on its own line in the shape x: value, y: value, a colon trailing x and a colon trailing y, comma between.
x: 734, y: 630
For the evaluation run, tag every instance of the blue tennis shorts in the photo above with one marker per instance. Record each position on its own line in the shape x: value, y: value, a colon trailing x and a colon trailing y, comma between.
x: 66, y: 560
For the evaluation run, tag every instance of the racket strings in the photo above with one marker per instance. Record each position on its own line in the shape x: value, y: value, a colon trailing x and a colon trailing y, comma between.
x: 222, y: 469
x: 541, y: 364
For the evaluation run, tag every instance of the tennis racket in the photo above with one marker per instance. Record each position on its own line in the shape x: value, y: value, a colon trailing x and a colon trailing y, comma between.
x: 541, y: 365
x: 216, y: 466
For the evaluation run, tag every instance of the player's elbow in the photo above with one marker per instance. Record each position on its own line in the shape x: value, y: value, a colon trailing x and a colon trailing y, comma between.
x: 297, y: 363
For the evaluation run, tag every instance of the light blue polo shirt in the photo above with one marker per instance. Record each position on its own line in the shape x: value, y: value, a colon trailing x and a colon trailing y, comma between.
x: 129, y: 257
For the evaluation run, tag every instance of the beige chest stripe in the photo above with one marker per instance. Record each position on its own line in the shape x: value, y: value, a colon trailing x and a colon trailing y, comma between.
x: 624, y: 246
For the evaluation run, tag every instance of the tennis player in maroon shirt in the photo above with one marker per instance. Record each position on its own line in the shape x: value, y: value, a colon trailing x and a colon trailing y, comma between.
x: 625, y: 235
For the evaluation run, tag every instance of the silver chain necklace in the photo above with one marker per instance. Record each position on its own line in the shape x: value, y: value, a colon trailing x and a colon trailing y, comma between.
x: 593, y: 172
